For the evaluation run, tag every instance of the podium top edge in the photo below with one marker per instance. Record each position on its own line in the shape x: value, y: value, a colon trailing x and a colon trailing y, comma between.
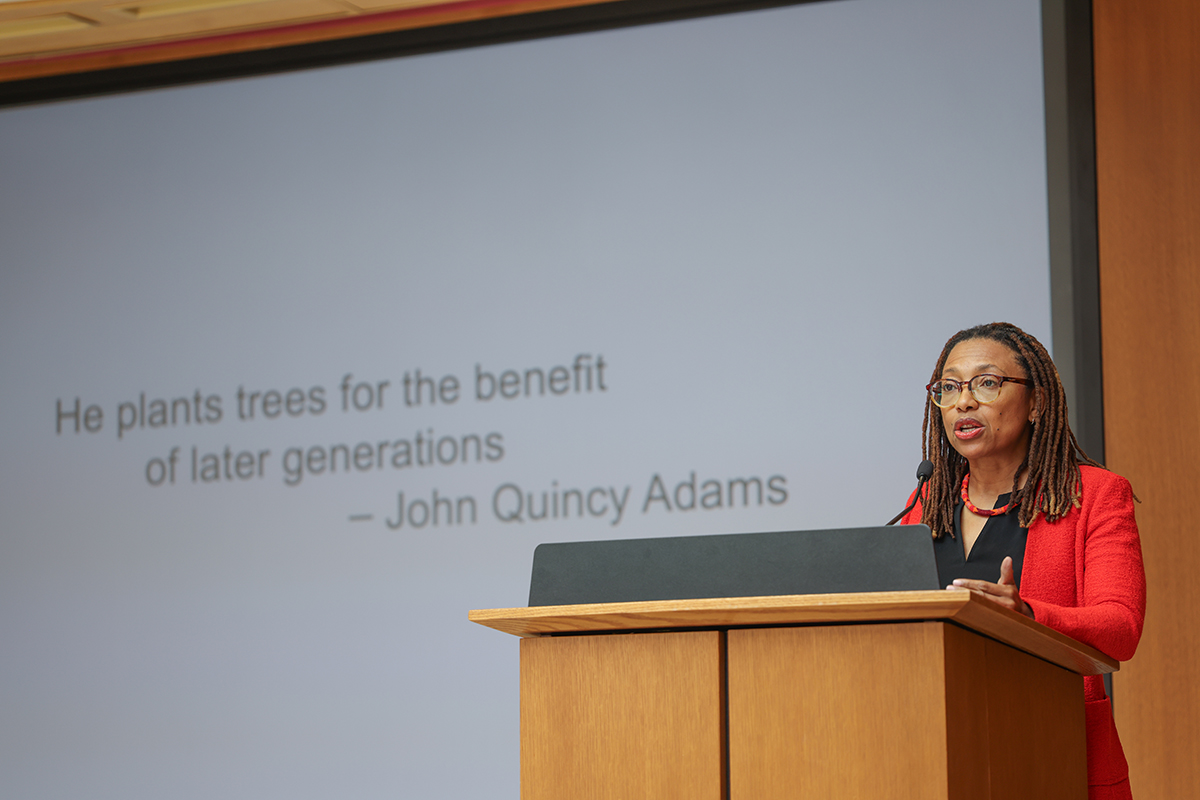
x: 956, y: 606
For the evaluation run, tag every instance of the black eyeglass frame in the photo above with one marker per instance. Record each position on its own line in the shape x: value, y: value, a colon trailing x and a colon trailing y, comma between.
x: 960, y: 384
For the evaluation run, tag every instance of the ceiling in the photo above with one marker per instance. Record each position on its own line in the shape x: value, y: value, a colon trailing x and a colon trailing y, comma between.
x: 41, y: 38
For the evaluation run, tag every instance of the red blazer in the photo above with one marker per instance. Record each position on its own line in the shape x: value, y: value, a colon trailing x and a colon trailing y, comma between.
x: 1083, y: 576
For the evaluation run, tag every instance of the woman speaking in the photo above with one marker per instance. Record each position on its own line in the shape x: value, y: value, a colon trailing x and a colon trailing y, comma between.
x: 1022, y: 516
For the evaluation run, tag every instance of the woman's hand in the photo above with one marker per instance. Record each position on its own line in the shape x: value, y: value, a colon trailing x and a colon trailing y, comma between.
x: 1003, y: 592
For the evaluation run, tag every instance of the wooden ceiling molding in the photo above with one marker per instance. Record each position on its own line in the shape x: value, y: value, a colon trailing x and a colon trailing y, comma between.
x: 41, y: 38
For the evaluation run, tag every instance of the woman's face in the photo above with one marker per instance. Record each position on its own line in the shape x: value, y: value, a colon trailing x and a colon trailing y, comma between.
x: 998, y: 431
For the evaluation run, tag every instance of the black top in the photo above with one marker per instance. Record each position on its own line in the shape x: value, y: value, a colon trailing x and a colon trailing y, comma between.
x: 1001, y: 536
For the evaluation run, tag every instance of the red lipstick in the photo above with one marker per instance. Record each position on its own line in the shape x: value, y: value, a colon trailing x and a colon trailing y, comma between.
x: 967, y: 428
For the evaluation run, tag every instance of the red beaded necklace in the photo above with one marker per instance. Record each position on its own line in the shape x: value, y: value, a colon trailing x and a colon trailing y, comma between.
x: 983, y: 512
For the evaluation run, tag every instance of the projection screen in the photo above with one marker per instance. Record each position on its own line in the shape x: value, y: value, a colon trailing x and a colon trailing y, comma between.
x: 300, y: 368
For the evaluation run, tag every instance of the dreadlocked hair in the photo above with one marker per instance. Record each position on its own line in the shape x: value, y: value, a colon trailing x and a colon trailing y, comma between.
x: 1053, y: 484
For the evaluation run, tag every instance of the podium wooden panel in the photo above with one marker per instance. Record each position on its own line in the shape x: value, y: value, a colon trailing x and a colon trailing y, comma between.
x: 626, y: 716
x: 885, y: 695
x: 908, y: 710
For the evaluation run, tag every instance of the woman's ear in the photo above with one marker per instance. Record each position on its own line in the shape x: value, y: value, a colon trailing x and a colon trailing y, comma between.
x: 1039, y: 402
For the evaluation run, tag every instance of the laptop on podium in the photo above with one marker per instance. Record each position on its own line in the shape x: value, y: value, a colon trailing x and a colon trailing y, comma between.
x: 879, y: 559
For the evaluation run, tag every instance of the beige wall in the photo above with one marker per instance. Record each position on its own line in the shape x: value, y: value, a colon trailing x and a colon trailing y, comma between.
x: 1147, y: 66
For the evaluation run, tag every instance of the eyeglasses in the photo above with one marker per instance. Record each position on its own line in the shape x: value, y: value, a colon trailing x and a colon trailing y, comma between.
x: 984, y: 388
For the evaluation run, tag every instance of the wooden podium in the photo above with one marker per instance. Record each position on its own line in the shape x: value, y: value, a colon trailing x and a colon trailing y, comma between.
x: 935, y: 694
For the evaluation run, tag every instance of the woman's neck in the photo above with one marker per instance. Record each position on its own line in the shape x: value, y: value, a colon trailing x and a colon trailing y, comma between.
x: 990, y: 479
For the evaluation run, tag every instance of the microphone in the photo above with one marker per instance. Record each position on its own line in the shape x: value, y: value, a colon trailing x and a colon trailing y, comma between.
x: 924, y: 473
